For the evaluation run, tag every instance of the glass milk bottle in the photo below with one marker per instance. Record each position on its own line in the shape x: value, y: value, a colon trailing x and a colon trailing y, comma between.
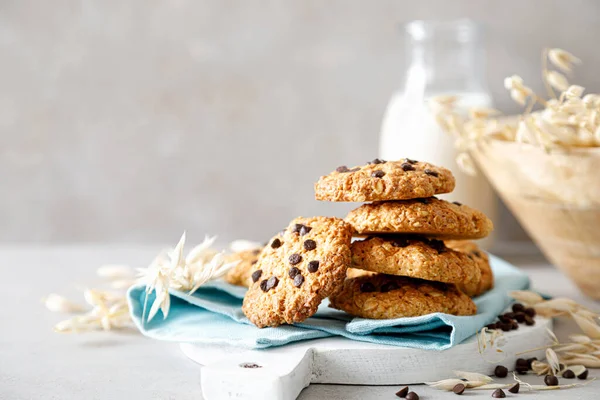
x: 442, y: 58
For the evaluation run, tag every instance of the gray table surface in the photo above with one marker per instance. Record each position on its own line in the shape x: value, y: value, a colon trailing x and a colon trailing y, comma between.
x: 36, y: 363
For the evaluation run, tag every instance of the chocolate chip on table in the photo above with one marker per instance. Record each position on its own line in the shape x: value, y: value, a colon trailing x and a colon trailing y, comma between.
x: 342, y: 168
x: 492, y: 326
x: 378, y: 174
x: 313, y: 266
x: 529, y: 320
x: 530, y: 311
x: 293, y: 272
x: 530, y: 361
x: 376, y: 161
x: 276, y: 243
x: 272, y: 282
x: 408, y: 160
x: 402, y: 392
x: 407, y: 167
x: 505, y: 326
x: 388, y: 286
x: 515, y: 325
x: 501, y: 371
x: 256, y: 275
x: 304, y: 230
x: 515, y: 388
x: 518, y: 307
x: 521, y: 362
x: 509, y: 315
x: 568, y: 374
x: 263, y: 285
x: 459, y: 388
x: 583, y: 375
x: 551, y: 380
x: 431, y: 173
x: 520, y: 317
x: 498, y: 394
x: 298, y: 280
x: 412, y: 396
x: 250, y: 365
x: 457, y: 203
x: 295, y: 259
x: 367, y: 287
x: 310, y: 244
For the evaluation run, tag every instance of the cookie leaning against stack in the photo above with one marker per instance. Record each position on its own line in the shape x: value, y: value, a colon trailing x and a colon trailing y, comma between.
x: 412, y: 271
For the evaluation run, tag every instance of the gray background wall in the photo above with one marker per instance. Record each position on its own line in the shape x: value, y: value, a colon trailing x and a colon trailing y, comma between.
x: 129, y: 121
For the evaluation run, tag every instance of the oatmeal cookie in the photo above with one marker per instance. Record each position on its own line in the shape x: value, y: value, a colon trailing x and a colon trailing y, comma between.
x: 240, y: 274
x: 483, y: 261
x: 384, y: 180
x: 386, y: 296
x: 297, y: 269
x: 416, y: 257
x: 429, y: 216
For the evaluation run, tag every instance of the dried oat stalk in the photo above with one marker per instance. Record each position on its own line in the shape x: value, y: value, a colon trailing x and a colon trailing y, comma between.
x: 566, y: 120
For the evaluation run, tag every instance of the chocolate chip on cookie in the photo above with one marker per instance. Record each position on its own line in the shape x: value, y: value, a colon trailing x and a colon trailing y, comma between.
x: 378, y: 174
x: 310, y: 244
x: 408, y: 160
x: 241, y: 274
x: 256, y: 275
x: 376, y: 161
x: 313, y: 266
x: 342, y: 169
x: 431, y: 173
x: 315, y: 271
x: 407, y: 167
x: 276, y: 243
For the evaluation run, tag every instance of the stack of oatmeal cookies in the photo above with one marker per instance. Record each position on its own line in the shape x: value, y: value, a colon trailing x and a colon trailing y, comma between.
x: 412, y: 255
x: 417, y: 257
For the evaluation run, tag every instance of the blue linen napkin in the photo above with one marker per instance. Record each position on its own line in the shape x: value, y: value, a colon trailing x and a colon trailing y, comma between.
x: 213, y: 315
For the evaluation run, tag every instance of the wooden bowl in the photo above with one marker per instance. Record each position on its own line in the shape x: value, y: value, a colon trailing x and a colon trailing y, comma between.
x: 556, y: 197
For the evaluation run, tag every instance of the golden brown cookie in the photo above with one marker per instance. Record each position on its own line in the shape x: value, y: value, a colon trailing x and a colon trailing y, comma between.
x: 297, y: 269
x: 428, y: 216
x: 240, y: 274
x: 416, y: 257
x: 386, y: 296
x: 483, y: 261
x: 384, y: 180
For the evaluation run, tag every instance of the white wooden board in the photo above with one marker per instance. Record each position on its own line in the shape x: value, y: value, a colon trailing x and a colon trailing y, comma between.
x: 284, y: 371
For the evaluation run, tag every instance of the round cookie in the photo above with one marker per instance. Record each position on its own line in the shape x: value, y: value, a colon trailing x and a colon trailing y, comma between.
x: 386, y: 296
x: 297, y: 269
x: 428, y: 216
x: 241, y: 274
x: 416, y: 257
x: 384, y: 180
x: 483, y: 261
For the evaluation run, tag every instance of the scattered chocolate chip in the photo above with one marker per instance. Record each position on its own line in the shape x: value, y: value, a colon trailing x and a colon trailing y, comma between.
x: 568, y: 374
x: 402, y: 392
x: 276, y: 243
x: 293, y: 272
x: 530, y: 361
x: 310, y: 244
x: 378, y: 174
x: 256, y: 275
x: 530, y: 311
x: 583, y: 375
x: 514, y: 325
x: 503, y: 318
x: 515, y: 388
x: 295, y: 259
x: 521, y: 362
x: 457, y: 203
x: 376, y: 161
x: 298, y: 280
x: 561, y: 366
x: 431, y: 173
x: 518, y: 307
x: 407, y: 167
x: 304, y: 230
x: 400, y: 242
x: 367, y: 287
x: 522, y: 370
x: 263, y: 285
x: 408, y: 160
x: 388, y: 286
x: 520, y: 317
x: 498, y: 394
x: 313, y: 266
x: 551, y: 380
x: 501, y: 371
x: 492, y: 326
x: 412, y: 396
x: 529, y: 321
x: 342, y: 168
x: 506, y: 327
x: 509, y: 315
x: 250, y: 365
x: 459, y: 388
x: 272, y: 282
